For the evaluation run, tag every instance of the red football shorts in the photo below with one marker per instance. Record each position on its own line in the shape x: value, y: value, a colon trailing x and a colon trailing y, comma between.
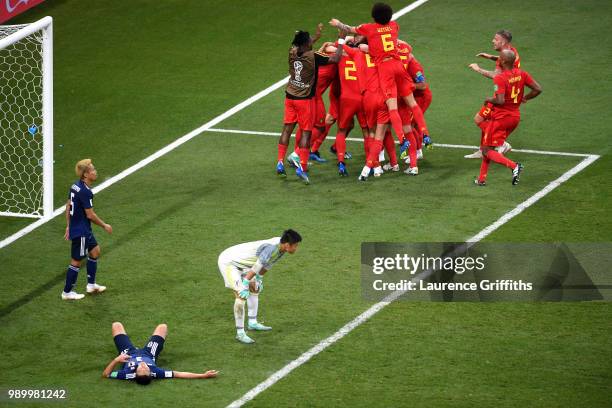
x: 423, y: 99
x: 499, y: 129
x: 320, y: 112
x: 394, y: 79
x: 334, y: 99
x: 485, y: 111
x: 405, y: 112
x: 349, y: 107
x: 375, y: 109
x: 301, y: 111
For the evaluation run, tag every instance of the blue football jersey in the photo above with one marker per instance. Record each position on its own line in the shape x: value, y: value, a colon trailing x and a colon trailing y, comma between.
x: 81, y: 198
x: 128, y: 372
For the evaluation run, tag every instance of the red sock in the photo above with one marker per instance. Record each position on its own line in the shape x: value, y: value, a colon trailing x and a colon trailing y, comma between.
x: 314, y: 139
x: 389, y: 144
x: 375, y: 148
x: 412, y: 150
x: 282, y: 151
x: 484, y: 168
x: 366, y: 145
x: 418, y: 136
x: 316, y: 145
x: 304, y: 152
x: 417, y: 114
x: 396, y: 123
x: 340, y: 146
x: 501, y: 159
x: 483, y: 128
x: 298, y: 137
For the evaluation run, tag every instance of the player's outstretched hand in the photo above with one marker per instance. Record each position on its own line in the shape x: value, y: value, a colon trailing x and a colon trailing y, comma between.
x: 319, y: 28
x: 484, y: 55
x: 122, y: 358
x: 108, y: 228
x: 334, y: 22
x: 211, y: 374
x: 474, y: 67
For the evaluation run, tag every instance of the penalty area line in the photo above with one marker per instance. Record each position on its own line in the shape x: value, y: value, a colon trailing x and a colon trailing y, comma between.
x: 450, y: 146
x: 161, y: 152
x: 374, y: 309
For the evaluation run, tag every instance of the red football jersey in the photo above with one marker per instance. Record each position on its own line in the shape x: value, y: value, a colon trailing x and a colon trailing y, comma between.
x: 404, y: 51
x: 511, y: 84
x: 349, y: 78
x: 517, y: 61
x: 382, y: 39
x: 415, y: 70
x: 366, y: 69
x: 327, y: 74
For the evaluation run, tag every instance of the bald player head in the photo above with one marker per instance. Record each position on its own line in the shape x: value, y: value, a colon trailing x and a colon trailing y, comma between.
x: 507, y: 58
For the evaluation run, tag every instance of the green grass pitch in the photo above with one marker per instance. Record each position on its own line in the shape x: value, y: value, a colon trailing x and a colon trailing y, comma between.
x: 131, y: 77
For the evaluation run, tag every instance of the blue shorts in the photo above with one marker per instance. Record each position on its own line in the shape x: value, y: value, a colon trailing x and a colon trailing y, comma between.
x: 154, y: 345
x: 82, y: 245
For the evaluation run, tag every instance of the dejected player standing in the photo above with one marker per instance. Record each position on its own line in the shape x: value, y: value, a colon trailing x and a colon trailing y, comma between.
x: 243, y: 266
x: 506, y: 115
x: 79, y: 215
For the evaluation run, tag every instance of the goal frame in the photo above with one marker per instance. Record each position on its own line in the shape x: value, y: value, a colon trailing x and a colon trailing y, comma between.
x: 46, y: 26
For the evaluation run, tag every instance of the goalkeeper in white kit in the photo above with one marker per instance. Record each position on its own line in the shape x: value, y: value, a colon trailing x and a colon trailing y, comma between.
x: 243, y: 267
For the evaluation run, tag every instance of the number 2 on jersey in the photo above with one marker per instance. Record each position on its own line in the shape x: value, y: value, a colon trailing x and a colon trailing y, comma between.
x: 387, y: 42
x: 515, y: 94
x: 350, y: 67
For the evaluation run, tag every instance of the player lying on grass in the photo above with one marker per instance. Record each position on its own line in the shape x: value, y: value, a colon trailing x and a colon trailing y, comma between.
x: 502, y: 40
x: 79, y: 215
x: 509, y: 94
x: 140, y: 364
x: 243, y: 266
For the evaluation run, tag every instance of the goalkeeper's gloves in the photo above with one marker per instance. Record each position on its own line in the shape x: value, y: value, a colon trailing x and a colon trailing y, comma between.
x: 259, y: 283
x: 427, y: 142
x: 244, y: 292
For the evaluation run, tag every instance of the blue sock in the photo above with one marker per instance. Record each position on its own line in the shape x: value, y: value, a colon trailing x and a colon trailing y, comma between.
x: 92, y: 267
x: 71, y: 277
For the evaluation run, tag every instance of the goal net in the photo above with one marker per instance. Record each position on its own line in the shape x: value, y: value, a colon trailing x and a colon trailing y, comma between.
x: 26, y: 119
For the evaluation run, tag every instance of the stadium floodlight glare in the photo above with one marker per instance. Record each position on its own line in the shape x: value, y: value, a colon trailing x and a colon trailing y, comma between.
x: 26, y: 119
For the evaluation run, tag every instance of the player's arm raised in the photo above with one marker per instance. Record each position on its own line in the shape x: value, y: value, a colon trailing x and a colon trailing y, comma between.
x: 188, y: 375
x: 96, y: 220
x: 318, y: 32
x: 334, y: 58
x: 489, y: 74
x: 121, y: 358
x: 487, y: 56
x: 343, y: 27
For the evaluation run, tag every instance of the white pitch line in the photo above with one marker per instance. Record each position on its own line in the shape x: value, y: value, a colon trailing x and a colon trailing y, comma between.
x: 165, y: 150
x: 363, y: 317
x: 534, y: 198
x: 451, y: 146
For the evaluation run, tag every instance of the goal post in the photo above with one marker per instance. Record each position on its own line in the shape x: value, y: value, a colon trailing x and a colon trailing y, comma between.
x: 26, y: 119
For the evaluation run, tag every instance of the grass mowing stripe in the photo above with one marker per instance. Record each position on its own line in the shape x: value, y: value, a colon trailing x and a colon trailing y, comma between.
x: 363, y: 317
x: 163, y: 151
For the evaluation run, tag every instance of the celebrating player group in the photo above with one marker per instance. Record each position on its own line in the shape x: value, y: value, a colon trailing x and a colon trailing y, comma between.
x: 373, y: 75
